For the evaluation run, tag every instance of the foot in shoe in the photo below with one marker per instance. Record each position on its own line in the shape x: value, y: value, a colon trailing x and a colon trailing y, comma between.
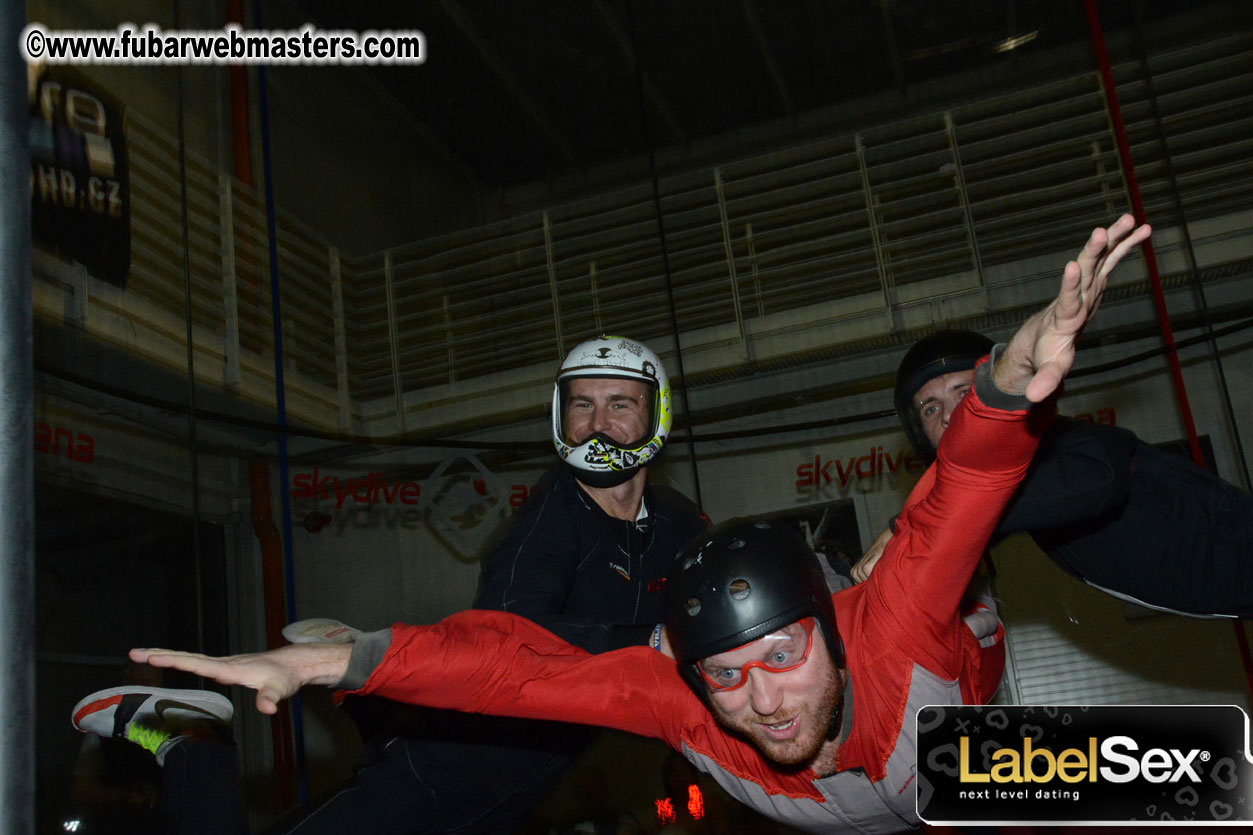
x: 154, y: 718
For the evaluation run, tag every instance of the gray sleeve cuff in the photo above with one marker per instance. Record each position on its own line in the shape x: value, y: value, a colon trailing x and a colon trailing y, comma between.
x: 990, y: 395
x: 367, y: 654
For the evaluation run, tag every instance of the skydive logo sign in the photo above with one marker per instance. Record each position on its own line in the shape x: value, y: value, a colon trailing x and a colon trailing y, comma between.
x: 461, y: 502
x: 1018, y: 764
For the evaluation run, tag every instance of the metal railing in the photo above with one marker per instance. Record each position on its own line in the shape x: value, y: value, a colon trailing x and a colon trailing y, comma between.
x: 884, y: 211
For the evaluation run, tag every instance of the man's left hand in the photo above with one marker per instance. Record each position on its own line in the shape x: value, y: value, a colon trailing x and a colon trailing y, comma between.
x: 1042, y: 352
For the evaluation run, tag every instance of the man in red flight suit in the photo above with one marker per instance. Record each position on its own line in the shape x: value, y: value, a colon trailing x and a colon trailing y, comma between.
x: 799, y: 703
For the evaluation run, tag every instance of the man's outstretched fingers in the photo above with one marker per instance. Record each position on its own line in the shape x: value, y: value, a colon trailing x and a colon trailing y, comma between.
x: 276, y: 675
x: 1125, y: 245
x: 1090, y: 256
x: 1070, y: 296
x: 1042, y: 352
x: 162, y: 657
x: 189, y: 662
x: 1121, y: 227
x: 218, y: 669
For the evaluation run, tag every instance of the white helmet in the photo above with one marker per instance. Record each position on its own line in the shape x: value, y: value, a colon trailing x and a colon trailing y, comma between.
x: 599, y: 461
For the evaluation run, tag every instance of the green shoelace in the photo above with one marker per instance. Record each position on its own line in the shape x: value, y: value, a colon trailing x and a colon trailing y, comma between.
x: 146, y: 737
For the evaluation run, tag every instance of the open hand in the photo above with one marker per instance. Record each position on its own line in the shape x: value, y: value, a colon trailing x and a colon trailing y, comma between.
x: 275, y: 675
x: 1042, y: 352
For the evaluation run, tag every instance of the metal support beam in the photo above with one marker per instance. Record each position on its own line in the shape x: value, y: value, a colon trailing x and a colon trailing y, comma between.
x: 77, y: 313
x: 651, y: 94
x: 872, y: 217
x: 767, y: 57
x: 552, y: 286
x: 752, y: 265
x: 449, y: 344
x: 230, y: 291
x: 730, y: 255
x: 959, y: 183
x: 1102, y: 176
x: 515, y: 88
x: 344, y: 396
x: 894, y: 52
x: 393, y: 341
x: 591, y: 275
x: 17, y: 468
x: 398, y: 112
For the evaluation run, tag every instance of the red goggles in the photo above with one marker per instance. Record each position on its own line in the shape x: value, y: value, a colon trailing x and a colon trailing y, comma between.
x: 785, y: 650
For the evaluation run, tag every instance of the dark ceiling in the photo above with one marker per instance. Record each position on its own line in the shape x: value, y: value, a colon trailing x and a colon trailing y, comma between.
x: 528, y: 90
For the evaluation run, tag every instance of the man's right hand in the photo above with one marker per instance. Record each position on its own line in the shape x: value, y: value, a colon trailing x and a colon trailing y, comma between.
x: 865, y: 565
x: 275, y: 675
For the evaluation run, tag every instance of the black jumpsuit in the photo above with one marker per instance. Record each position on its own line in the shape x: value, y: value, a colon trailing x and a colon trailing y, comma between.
x: 1135, y: 521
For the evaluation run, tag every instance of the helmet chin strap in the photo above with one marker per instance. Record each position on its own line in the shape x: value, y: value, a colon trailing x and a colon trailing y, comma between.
x: 603, y: 478
x: 837, y: 715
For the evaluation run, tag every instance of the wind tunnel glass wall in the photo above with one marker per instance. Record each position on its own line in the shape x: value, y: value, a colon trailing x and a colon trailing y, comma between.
x: 777, y: 198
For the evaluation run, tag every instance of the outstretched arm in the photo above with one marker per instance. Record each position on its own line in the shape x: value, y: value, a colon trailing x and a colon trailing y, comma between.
x: 477, y: 661
x: 982, y: 457
x: 1042, y: 352
x: 275, y: 675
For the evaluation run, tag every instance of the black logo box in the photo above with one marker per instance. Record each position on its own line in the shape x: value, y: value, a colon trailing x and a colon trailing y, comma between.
x: 1161, y: 750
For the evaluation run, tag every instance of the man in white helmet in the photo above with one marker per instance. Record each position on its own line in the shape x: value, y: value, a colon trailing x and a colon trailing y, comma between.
x: 594, y: 529
x: 586, y: 558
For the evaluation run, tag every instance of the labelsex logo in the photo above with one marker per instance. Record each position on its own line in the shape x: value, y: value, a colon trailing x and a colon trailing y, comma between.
x: 1040, y: 765
x: 1084, y: 763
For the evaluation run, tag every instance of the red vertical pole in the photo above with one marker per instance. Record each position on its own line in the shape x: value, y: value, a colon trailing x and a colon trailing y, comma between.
x: 1137, y: 208
x: 1155, y: 280
x: 241, y: 142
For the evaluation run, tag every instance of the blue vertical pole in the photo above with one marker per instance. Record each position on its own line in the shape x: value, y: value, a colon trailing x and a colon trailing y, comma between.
x: 280, y: 403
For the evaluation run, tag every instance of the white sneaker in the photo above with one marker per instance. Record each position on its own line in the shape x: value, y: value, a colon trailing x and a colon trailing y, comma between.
x: 320, y: 631
x: 154, y: 718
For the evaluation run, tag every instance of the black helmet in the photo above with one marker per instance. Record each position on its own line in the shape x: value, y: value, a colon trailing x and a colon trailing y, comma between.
x: 739, y: 582
x: 943, y: 352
